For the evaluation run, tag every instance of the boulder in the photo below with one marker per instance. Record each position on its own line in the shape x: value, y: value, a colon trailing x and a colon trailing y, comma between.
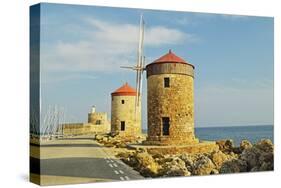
x: 141, y: 150
x: 98, y: 137
x: 157, y: 156
x: 251, y: 157
x: 214, y: 171
x: 259, y: 157
x: 104, y: 139
x: 265, y: 166
x: 108, y: 144
x: 218, y: 158
x: 171, y: 171
x: 121, y: 145
x: 225, y: 146
x: 265, y: 145
x: 188, y: 161
x: 175, y: 167
x: 245, y: 144
x: 146, y: 165
x: 203, y: 166
x: 233, y: 166
x: 266, y: 157
x: 124, y: 155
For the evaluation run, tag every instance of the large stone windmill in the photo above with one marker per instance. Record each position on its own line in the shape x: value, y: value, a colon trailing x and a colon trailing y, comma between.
x: 170, y: 103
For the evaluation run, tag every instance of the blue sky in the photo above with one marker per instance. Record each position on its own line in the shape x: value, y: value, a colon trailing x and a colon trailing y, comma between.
x: 82, y: 48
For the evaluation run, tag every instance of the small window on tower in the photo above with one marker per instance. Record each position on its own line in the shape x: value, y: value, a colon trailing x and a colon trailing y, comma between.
x: 123, y: 101
x: 167, y: 82
x: 122, y: 125
x: 98, y: 122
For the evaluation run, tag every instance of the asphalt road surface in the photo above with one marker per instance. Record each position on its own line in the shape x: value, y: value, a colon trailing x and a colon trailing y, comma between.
x: 83, y: 159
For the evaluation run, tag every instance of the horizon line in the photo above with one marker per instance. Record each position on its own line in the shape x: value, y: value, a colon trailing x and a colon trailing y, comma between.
x: 218, y: 126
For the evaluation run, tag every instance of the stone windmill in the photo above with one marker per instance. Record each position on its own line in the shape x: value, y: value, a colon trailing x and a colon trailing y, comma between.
x: 139, y: 67
x: 126, y: 101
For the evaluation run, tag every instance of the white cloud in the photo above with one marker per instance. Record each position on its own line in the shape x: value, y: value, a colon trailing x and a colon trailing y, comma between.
x: 233, y: 17
x: 106, y: 46
x: 57, y: 77
x: 201, y: 18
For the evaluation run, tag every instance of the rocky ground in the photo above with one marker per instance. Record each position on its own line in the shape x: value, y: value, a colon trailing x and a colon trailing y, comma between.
x: 117, y: 142
x: 247, y: 157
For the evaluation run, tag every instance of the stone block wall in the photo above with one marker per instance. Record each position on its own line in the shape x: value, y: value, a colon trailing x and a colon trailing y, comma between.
x: 125, y: 112
x: 85, y: 128
x: 97, y: 118
x: 207, y: 147
x: 175, y: 102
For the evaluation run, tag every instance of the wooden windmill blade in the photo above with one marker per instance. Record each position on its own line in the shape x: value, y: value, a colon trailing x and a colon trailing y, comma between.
x: 141, y: 72
x: 141, y: 59
x: 139, y: 75
x: 127, y: 67
x: 137, y: 88
x: 139, y: 66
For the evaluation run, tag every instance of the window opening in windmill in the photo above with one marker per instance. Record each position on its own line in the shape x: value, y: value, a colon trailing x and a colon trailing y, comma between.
x: 123, y: 101
x: 165, y: 126
x: 122, y: 125
x: 166, y: 82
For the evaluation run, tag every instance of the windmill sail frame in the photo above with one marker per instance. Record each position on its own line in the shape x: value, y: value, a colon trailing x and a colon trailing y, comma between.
x: 139, y: 68
x: 140, y: 62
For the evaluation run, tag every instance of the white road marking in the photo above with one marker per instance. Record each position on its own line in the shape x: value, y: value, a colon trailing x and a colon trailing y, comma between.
x: 116, y: 172
x: 107, y: 161
x: 111, y: 165
x: 121, y: 172
x: 122, y: 178
x: 127, y: 178
x: 112, y: 161
x: 114, y: 164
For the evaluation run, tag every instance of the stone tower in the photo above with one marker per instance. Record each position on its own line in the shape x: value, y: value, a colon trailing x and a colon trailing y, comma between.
x: 170, y: 101
x: 125, y: 117
x: 97, y: 118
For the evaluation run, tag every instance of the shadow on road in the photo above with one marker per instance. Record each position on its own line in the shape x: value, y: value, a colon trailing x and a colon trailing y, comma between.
x: 73, y: 167
x: 66, y: 145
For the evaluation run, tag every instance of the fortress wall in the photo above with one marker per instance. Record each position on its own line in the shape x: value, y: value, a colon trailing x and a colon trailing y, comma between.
x: 85, y: 128
x: 97, y: 118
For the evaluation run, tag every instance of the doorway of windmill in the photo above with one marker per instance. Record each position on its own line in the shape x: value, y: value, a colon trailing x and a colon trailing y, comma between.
x: 165, y: 126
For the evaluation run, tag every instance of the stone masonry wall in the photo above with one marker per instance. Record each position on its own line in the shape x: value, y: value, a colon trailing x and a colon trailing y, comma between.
x: 125, y: 112
x: 190, y: 149
x: 97, y: 116
x: 88, y: 128
x: 175, y: 102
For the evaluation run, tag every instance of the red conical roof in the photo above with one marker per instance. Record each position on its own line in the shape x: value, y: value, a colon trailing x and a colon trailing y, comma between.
x: 170, y: 57
x: 124, y: 90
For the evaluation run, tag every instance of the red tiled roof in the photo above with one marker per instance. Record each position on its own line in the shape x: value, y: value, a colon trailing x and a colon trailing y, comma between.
x: 124, y: 90
x: 170, y: 57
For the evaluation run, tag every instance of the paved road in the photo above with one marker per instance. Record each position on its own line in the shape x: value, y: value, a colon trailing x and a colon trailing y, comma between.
x: 83, y: 159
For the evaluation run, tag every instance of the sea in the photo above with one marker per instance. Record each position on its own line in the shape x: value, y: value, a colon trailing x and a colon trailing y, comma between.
x: 236, y: 133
